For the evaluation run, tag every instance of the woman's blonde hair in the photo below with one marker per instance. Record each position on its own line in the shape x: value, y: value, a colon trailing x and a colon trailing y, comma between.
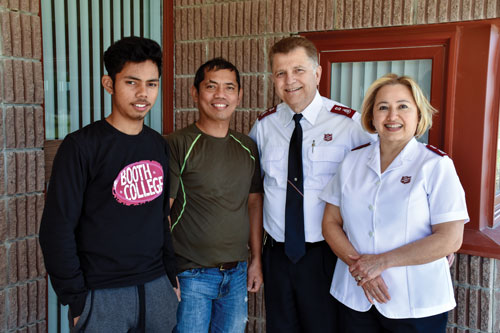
x: 425, y: 109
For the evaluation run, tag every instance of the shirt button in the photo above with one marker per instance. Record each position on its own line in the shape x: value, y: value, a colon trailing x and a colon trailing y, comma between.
x: 370, y: 207
x: 370, y: 234
x: 377, y: 183
x: 295, y: 179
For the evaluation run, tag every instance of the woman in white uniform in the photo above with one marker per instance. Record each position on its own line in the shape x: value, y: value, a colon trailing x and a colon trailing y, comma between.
x: 394, y: 211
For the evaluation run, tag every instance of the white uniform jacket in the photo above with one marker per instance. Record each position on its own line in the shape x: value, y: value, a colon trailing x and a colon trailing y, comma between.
x: 330, y: 131
x: 382, y: 212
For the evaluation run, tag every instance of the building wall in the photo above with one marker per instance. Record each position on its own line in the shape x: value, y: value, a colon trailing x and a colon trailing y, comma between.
x: 22, y: 274
x: 243, y: 31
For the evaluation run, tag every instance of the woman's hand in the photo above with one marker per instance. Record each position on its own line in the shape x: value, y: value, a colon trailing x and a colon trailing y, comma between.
x: 377, y: 290
x: 366, y: 267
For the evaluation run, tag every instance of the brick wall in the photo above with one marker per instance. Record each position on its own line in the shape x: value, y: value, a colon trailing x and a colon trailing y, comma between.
x: 243, y: 31
x: 22, y: 274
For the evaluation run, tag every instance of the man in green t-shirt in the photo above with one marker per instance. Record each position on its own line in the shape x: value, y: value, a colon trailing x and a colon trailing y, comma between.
x: 216, y: 198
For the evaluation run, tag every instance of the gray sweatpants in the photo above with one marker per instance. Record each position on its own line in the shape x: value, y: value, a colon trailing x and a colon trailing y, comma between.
x: 117, y: 309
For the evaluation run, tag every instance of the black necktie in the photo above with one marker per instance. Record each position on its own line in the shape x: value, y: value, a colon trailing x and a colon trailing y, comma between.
x: 295, y: 246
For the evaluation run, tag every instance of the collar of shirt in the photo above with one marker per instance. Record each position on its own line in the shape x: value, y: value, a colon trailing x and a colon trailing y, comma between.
x: 407, y: 154
x: 310, y: 113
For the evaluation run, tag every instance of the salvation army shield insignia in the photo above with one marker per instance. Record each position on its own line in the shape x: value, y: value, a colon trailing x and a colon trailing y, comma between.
x: 328, y: 137
x: 405, y: 179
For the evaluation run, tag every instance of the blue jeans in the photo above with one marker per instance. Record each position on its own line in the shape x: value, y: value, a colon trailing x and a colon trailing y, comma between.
x: 213, y: 300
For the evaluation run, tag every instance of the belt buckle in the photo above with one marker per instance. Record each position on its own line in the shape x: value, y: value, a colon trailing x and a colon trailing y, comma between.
x: 221, y: 267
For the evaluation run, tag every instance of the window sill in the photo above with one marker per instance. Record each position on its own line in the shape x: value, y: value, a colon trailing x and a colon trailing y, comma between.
x: 483, y: 243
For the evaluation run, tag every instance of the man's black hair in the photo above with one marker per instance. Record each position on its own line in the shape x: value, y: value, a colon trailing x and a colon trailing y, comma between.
x: 214, y: 65
x: 131, y: 49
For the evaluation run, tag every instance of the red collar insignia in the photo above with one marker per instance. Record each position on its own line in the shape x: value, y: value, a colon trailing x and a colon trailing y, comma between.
x: 328, y: 137
x: 406, y: 179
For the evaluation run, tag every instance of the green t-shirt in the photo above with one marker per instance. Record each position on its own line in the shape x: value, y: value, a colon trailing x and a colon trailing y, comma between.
x: 210, y: 179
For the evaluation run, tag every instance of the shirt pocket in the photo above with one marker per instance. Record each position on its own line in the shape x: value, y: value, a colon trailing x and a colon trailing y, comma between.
x: 324, y: 162
x: 274, y: 163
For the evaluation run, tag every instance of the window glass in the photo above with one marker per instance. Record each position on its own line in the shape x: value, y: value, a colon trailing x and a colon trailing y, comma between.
x: 75, y: 35
x: 350, y: 80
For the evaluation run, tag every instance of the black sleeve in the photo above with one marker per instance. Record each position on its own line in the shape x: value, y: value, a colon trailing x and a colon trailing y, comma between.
x: 168, y: 248
x: 59, y: 221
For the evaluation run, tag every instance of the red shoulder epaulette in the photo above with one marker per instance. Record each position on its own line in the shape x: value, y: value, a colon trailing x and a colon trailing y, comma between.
x: 267, y: 113
x: 343, y: 110
x: 362, y: 146
x: 436, y: 150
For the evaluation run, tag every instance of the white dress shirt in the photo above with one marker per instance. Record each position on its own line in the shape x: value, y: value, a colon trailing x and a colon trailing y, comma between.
x: 327, y: 138
x: 382, y: 212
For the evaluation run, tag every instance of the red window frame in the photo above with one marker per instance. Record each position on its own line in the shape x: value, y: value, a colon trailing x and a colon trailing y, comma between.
x: 465, y: 89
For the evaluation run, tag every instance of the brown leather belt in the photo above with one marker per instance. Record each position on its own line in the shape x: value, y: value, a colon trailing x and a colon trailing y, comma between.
x: 227, y: 265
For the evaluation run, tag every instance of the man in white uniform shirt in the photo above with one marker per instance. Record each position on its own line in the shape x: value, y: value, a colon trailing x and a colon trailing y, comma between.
x: 297, y: 275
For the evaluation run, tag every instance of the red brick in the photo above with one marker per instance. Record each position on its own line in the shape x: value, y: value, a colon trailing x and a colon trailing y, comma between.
x: 29, y: 127
x: 31, y: 171
x: 21, y: 216
x: 474, y: 308
x: 39, y: 260
x: 463, y: 268
x: 31, y: 215
x: 18, y: 81
x: 478, y: 10
x: 40, y: 202
x: 6, y: 37
x: 462, y: 308
x: 29, y: 82
x: 14, y: 4
x: 34, y: 6
x: 21, y: 172
x: 8, y: 81
x: 22, y: 260
x: 178, y: 24
x: 197, y: 23
x: 12, y: 269
x: 38, y: 81
x: 190, y: 26
x: 408, y: 12
x: 42, y: 299
x: 263, y: 27
x: 3, y: 266
x: 255, y: 18
x: 36, y: 37
x: 26, y: 35
x: 42, y: 327
x: 239, y: 18
x: 16, y: 38
x: 2, y: 185
x: 19, y: 127
x: 247, y: 18
x: 12, y: 217
x: 22, y: 301
x: 228, y: 20
x: 311, y: 16
x: 10, y: 128
x: 32, y: 257
x: 487, y: 264
x: 3, y: 218
x: 3, y: 312
x: 39, y: 130
x: 24, y: 5
x: 13, y: 307
x: 40, y: 170
x: 484, y: 310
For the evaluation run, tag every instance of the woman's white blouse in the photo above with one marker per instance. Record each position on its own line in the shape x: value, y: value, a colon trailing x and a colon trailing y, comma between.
x: 382, y: 212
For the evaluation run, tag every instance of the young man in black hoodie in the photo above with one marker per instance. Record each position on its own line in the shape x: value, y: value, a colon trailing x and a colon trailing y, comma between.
x: 104, y: 231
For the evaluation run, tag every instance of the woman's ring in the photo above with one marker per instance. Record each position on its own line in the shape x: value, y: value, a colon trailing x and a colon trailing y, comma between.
x: 359, y: 278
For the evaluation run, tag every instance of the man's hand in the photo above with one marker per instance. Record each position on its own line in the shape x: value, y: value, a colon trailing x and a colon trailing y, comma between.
x: 75, y: 320
x: 254, y: 277
x: 178, y: 290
